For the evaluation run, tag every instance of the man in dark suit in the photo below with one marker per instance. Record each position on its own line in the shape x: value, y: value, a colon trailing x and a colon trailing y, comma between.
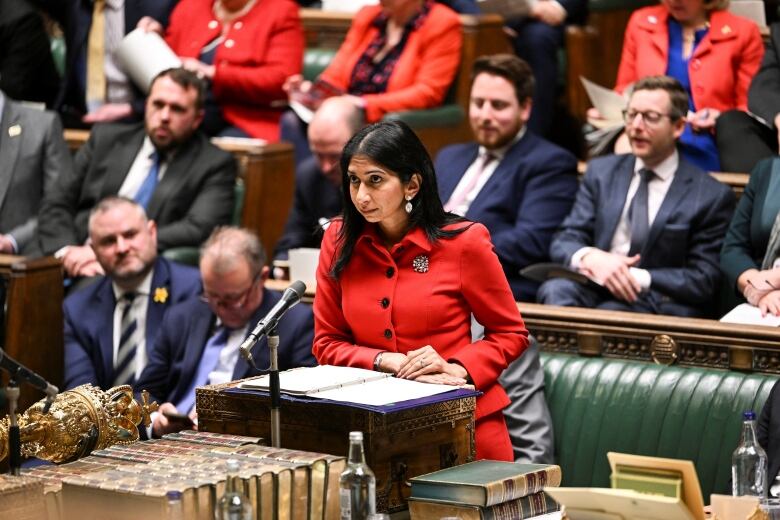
x: 111, y: 324
x: 33, y: 155
x: 647, y: 226
x: 120, y: 99
x: 185, y: 183
x: 199, y: 339
x: 318, y: 178
x: 515, y: 183
x: 746, y: 138
x: 768, y: 436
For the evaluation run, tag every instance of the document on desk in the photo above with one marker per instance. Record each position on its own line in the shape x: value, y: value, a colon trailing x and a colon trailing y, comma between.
x: 609, y: 103
x: 746, y: 314
x: 348, y: 384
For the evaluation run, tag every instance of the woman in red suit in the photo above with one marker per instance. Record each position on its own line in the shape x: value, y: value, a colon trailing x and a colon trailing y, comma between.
x: 712, y: 52
x: 398, y: 281
x: 246, y: 49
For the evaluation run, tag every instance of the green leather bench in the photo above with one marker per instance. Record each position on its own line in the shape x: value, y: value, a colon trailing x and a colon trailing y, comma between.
x: 600, y: 405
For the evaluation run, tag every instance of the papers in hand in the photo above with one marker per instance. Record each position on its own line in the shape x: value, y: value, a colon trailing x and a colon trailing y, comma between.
x: 348, y: 384
x: 143, y: 55
x: 609, y: 103
x: 746, y: 314
x: 304, y: 104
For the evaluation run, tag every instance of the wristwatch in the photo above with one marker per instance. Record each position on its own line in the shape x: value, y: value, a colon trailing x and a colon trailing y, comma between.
x: 378, y: 361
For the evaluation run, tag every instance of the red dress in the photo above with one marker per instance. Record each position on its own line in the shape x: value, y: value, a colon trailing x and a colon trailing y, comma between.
x: 381, y: 303
x: 259, y: 52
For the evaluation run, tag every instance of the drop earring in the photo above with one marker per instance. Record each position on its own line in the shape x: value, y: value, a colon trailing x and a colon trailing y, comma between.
x: 408, y: 206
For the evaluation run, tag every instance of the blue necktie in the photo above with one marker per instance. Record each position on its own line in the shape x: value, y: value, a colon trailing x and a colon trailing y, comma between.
x: 130, y: 336
x: 144, y: 194
x: 637, y: 213
x: 208, y: 362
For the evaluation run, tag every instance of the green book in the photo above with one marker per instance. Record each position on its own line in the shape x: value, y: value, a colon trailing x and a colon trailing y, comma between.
x: 485, y: 482
x: 517, y: 509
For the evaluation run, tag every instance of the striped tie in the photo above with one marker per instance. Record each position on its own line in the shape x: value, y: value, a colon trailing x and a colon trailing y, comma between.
x: 124, y: 367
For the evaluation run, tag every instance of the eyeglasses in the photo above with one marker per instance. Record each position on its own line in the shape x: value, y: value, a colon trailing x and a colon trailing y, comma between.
x: 232, y: 301
x: 650, y: 117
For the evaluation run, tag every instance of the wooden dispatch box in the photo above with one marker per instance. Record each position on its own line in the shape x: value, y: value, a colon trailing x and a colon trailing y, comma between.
x: 398, y: 445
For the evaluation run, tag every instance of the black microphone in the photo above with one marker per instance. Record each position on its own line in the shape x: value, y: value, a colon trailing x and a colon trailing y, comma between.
x: 22, y: 373
x: 290, y: 297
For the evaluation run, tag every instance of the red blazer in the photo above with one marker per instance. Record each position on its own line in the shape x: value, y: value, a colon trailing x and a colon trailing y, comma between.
x: 424, y: 71
x: 351, y: 324
x: 720, y: 69
x: 260, y: 50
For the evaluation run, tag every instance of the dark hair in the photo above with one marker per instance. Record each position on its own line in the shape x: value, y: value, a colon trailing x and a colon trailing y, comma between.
x: 678, y: 98
x: 511, y: 68
x: 185, y: 79
x: 393, y: 145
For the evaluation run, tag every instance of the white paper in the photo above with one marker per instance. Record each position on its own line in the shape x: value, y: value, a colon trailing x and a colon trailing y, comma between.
x: 143, y: 55
x: 305, y: 113
x: 608, y: 102
x: 750, y: 9
x: 308, y: 380
x: 383, y: 391
x: 346, y: 6
x: 747, y: 314
x: 303, y: 263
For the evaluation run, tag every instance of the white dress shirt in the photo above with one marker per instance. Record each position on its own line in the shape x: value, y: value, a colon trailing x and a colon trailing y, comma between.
x: 656, y: 192
x: 228, y: 356
x: 140, y: 169
x: 140, y: 307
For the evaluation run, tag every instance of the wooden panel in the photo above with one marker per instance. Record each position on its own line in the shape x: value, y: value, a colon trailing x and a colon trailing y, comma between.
x: 33, y: 319
x: 648, y: 337
x: 268, y: 172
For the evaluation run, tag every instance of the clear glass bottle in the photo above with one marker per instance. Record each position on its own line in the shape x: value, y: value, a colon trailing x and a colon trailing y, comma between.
x: 357, y: 485
x: 234, y: 504
x: 175, y: 505
x: 749, y: 462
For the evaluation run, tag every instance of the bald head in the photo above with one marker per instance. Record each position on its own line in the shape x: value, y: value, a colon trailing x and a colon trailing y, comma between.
x: 333, y: 124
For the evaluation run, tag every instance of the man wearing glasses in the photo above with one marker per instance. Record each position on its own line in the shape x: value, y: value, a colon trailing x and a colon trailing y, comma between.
x: 110, y: 323
x: 646, y: 227
x: 199, y: 339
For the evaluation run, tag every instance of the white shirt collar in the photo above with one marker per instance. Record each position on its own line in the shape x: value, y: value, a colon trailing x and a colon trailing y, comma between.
x: 145, y: 287
x: 499, y: 153
x: 665, y: 169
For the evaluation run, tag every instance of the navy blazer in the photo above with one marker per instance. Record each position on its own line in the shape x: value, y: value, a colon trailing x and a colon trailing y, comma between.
x: 768, y: 433
x: 89, y: 322
x: 315, y: 198
x: 522, y: 204
x: 186, y: 329
x: 681, y: 252
x: 75, y: 18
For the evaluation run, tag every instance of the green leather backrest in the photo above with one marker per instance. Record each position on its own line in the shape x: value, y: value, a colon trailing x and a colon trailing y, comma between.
x: 600, y: 405
x: 316, y: 60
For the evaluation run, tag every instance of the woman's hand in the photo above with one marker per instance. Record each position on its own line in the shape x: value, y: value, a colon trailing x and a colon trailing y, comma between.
x: 593, y: 113
x: 703, y: 120
x: 441, y: 379
x: 770, y: 303
x: 755, y: 284
x: 392, y: 362
x: 149, y: 24
x: 198, y: 67
x: 426, y: 361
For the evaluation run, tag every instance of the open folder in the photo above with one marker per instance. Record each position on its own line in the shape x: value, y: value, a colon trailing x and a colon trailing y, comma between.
x: 617, y: 504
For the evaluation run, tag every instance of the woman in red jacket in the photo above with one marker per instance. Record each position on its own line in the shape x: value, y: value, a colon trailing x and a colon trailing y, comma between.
x: 246, y: 49
x: 398, y: 281
x: 713, y: 53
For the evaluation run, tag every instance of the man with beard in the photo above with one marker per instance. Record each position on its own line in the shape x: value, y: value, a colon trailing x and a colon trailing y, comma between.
x: 648, y: 226
x: 517, y: 184
x: 185, y: 184
x: 110, y: 323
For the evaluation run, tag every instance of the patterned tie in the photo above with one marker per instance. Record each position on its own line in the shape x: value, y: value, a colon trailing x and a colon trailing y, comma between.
x: 145, y: 192
x: 637, y: 213
x: 96, y: 55
x: 457, y: 199
x: 131, y: 336
x: 208, y: 362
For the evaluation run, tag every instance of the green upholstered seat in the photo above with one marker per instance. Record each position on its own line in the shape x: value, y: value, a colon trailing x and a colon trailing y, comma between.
x: 600, y: 405
x: 191, y: 255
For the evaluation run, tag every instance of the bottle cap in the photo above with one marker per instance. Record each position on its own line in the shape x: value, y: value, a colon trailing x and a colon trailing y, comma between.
x: 749, y: 415
x: 355, y: 436
x: 232, y: 465
x: 173, y: 495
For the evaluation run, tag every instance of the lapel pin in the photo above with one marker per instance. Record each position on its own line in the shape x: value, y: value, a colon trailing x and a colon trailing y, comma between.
x: 15, y: 130
x: 420, y: 264
x: 160, y: 295
x: 652, y: 19
x: 726, y: 29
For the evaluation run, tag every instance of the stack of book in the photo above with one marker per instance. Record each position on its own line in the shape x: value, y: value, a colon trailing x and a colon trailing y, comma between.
x: 485, y: 490
x: 131, y: 481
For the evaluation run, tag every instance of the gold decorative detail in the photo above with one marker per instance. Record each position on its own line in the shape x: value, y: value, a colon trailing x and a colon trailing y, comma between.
x: 589, y: 343
x: 664, y: 350
x: 160, y: 295
x: 81, y: 420
x: 704, y: 355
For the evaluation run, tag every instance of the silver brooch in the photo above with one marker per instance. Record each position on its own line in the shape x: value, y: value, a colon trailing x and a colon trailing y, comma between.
x: 420, y: 264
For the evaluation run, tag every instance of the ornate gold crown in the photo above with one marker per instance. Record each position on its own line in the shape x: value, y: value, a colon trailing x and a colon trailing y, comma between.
x: 80, y: 420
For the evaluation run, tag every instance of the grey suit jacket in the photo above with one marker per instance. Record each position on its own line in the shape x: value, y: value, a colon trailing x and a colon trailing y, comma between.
x: 196, y: 193
x: 33, y: 155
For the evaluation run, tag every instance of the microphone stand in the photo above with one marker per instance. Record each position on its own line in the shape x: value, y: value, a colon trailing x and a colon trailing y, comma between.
x: 14, y: 436
x: 276, y: 399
